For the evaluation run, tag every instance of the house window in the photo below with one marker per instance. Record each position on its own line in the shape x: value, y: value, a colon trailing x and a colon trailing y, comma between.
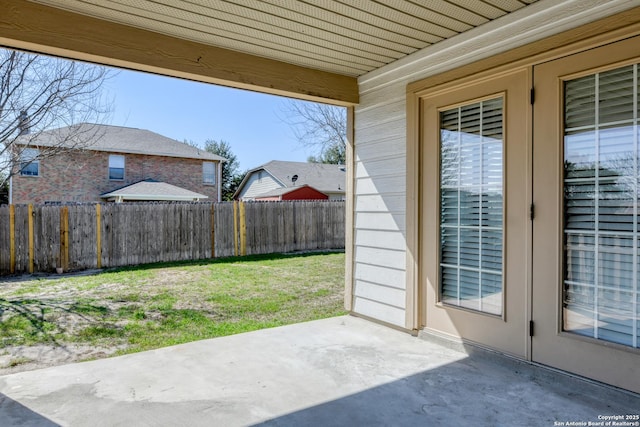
x: 209, y: 172
x: 116, y: 167
x: 471, y: 206
x: 601, y: 206
x: 29, y: 163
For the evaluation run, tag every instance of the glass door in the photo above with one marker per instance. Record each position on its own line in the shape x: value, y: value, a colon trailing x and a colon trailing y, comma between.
x: 475, y: 207
x: 586, y: 292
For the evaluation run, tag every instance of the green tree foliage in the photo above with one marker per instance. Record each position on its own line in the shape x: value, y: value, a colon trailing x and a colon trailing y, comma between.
x: 334, y: 155
x: 231, y: 177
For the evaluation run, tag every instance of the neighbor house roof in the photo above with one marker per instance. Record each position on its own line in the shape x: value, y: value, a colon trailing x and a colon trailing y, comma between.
x: 117, y: 139
x: 153, y: 190
x: 323, y: 177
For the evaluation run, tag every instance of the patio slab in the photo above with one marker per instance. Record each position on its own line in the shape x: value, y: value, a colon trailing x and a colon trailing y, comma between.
x: 342, y: 371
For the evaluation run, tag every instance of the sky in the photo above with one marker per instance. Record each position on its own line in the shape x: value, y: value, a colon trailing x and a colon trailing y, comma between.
x: 184, y: 110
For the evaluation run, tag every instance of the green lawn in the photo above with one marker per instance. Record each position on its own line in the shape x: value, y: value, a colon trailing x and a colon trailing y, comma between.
x: 152, y: 306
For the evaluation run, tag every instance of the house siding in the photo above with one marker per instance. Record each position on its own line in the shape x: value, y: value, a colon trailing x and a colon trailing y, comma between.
x: 81, y: 176
x: 380, y: 197
x: 256, y: 185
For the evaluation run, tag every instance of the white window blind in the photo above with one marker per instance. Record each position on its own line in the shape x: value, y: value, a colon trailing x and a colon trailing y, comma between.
x: 601, y: 298
x: 471, y: 206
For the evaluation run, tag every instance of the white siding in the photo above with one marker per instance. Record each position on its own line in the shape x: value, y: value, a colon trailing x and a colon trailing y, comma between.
x: 380, y: 140
x: 259, y: 182
x: 336, y: 196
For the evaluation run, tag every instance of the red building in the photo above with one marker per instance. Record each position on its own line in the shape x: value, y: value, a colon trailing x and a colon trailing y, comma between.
x: 304, y: 192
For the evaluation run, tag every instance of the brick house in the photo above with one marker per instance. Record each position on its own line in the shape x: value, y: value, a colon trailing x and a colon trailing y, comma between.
x: 115, y: 160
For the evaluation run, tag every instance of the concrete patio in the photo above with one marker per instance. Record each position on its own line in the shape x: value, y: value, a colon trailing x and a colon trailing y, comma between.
x: 343, y: 371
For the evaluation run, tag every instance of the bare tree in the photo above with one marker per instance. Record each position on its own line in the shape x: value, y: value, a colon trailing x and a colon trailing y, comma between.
x: 321, y: 127
x: 39, y: 94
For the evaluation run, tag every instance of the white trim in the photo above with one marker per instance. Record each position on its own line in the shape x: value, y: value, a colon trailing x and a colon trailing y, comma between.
x: 534, y: 22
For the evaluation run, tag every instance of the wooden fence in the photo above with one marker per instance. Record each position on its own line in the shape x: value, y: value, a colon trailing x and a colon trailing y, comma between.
x: 44, y: 237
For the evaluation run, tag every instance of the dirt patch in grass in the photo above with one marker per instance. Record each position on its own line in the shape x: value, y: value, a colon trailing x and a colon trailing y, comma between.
x: 47, y: 321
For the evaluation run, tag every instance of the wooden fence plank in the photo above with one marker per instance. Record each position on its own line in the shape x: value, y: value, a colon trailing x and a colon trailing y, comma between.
x: 64, y: 238
x: 12, y: 238
x: 5, y: 246
x: 98, y: 236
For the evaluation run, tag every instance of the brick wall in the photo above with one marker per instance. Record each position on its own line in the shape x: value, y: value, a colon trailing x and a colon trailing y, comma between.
x: 81, y: 176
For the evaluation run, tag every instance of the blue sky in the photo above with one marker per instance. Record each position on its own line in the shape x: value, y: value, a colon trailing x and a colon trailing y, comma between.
x: 182, y: 109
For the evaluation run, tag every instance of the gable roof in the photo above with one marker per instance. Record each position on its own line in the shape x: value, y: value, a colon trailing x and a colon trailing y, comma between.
x: 117, y: 139
x: 323, y: 177
x: 153, y: 190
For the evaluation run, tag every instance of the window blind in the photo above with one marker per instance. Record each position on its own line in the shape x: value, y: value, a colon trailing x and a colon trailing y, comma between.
x: 471, y: 206
x: 601, y: 242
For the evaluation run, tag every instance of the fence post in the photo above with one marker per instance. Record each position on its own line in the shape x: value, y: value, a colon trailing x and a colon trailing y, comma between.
x: 98, y: 236
x: 64, y: 238
x: 31, y: 237
x: 12, y: 239
x: 235, y: 228
x: 213, y: 231
x: 243, y: 230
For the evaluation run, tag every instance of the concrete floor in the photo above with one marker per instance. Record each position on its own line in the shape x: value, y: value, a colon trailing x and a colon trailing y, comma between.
x: 342, y: 371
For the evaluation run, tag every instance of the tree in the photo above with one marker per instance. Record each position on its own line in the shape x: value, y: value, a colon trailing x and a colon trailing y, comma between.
x: 334, y: 155
x: 39, y: 93
x: 231, y: 177
x: 4, y: 190
x: 321, y: 127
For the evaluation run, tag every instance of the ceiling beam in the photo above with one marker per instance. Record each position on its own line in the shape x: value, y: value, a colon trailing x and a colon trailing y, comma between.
x: 38, y: 28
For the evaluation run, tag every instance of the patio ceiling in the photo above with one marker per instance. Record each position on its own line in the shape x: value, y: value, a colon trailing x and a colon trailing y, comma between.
x: 349, y: 37
x: 338, y: 40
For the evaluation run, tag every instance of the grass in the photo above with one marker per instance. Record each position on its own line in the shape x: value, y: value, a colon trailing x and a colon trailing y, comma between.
x: 151, y: 306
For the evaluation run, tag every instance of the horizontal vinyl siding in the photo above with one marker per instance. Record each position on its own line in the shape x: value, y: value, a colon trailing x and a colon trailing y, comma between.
x: 390, y: 184
x: 389, y: 258
x: 388, y: 221
x: 380, y: 207
x: 380, y: 239
x: 381, y: 169
x: 392, y: 296
x: 380, y: 311
x: 256, y: 185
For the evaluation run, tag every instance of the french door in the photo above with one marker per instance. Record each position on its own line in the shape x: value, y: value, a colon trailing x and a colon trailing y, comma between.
x: 586, y: 233
x: 475, y: 211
